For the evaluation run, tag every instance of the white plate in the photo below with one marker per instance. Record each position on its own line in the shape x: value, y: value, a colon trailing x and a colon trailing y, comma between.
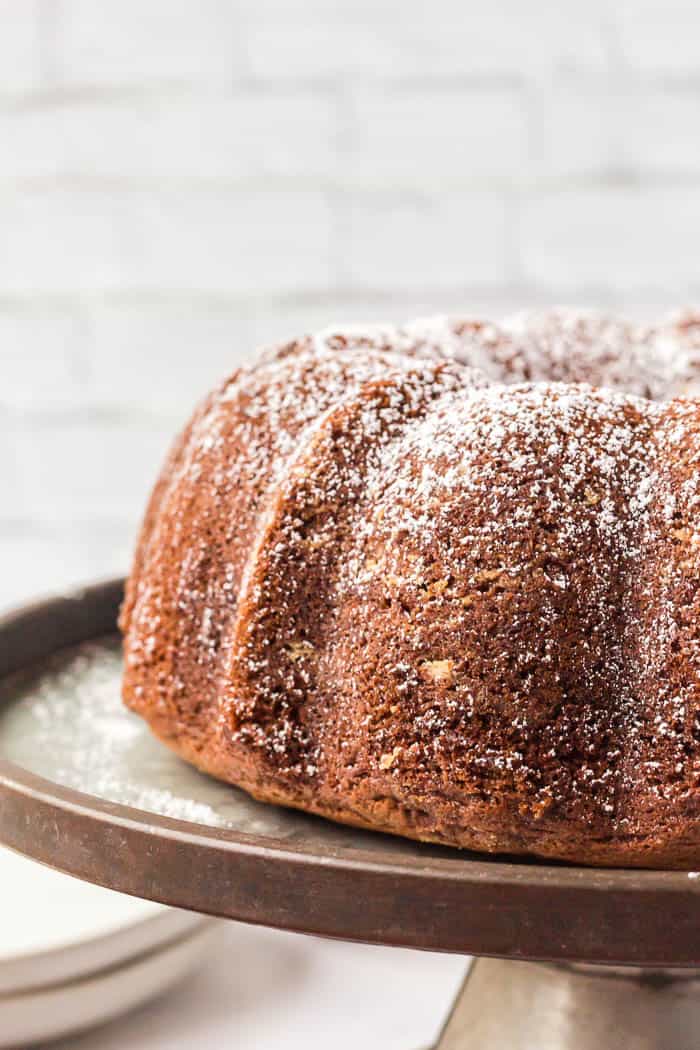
x: 63, y: 1010
x: 54, y: 928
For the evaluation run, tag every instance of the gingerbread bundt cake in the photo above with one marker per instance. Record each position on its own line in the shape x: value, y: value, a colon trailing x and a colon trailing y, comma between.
x: 441, y: 581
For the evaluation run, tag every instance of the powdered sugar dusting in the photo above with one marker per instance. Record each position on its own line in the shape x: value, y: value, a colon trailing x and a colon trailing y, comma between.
x: 64, y: 720
x: 74, y: 729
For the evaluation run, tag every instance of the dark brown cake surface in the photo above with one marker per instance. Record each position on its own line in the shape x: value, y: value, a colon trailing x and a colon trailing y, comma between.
x: 441, y: 581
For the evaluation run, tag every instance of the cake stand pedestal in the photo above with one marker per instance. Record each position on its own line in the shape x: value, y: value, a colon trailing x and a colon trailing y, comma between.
x: 506, y: 1005
x: 85, y: 789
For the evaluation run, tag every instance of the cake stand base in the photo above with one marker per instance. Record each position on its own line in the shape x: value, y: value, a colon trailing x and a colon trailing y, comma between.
x: 506, y: 1005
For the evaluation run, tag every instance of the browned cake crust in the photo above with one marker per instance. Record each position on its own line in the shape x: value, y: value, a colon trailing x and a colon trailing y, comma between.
x: 441, y: 581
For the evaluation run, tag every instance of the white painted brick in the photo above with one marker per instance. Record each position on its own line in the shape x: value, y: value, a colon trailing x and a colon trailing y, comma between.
x: 57, y: 241
x: 137, y: 42
x: 276, y: 133
x: 86, y: 468
x: 19, y: 46
x: 594, y: 126
x: 661, y: 131
x: 658, y: 36
x: 249, y: 242
x: 42, y: 359
x: 415, y: 40
x: 618, y: 239
x: 451, y: 134
x: 73, y: 241
x: 413, y: 242
x: 42, y: 562
x: 581, y: 128
x: 177, y: 352
x: 13, y: 487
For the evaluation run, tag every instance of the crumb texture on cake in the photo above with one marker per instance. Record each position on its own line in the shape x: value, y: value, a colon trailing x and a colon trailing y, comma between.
x: 441, y: 580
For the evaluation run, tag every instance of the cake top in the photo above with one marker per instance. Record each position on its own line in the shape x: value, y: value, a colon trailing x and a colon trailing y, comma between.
x: 657, y: 362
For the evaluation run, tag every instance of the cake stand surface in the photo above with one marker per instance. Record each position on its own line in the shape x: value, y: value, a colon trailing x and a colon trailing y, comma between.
x: 85, y: 789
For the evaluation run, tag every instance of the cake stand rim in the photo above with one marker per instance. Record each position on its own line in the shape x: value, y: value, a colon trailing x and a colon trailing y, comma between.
x: 78, y: 833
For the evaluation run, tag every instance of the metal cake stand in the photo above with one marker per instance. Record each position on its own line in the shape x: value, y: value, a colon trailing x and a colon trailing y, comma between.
x: 569, y: 957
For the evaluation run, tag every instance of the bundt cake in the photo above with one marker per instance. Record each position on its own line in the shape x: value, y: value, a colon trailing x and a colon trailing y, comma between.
x: 441, y: 581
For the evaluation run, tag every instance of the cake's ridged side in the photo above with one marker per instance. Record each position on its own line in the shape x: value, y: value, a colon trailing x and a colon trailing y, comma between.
x: 482, y: 651
x: 659, y: 787
x: 157, y: 668
x: 203, y: 522
x: 279, y: 700
x: 377, y: 588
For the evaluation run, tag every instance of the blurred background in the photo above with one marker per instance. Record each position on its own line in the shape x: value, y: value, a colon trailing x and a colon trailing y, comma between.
x: 183, y: 181
x: 180, y: 182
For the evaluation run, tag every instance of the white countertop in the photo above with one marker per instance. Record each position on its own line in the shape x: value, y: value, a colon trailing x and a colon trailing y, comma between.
x: 267, y: 990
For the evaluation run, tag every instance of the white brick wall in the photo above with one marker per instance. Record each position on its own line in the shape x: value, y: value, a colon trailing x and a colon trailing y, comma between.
x: 365, y: 40
x: 43, y: 358
x: 398, y: 239
x: 661, y: 132
x: 250, y: 136
x: 90, y: 240
x: 440, y: 136
x: 578, y: 128
x: 20, y: 51
x: 142, y: 43
x: 658, y: 37
x: 621, y: 240
x: 83, y: 466
x: 180, y: 181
